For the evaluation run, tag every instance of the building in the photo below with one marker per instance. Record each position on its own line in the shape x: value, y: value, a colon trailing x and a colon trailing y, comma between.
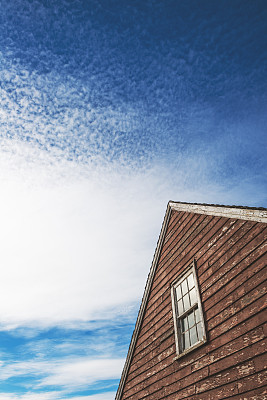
x: 201, y: 328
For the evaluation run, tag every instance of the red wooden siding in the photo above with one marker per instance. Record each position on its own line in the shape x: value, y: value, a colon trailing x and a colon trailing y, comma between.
x: 230, y: 260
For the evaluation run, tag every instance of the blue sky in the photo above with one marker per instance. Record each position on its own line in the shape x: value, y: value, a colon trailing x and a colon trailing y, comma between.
x: 108, y: 110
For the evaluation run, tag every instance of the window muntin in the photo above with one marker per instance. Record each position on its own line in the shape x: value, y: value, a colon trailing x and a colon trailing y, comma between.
x: 187, y: 311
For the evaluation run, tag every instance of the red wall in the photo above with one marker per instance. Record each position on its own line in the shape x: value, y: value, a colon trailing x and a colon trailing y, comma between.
x: 230, y: 258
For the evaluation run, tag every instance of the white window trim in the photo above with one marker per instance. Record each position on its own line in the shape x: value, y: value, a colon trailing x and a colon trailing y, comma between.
x: 191, y: 268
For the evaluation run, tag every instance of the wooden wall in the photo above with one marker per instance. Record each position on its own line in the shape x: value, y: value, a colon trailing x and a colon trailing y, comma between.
x: 230, y: 260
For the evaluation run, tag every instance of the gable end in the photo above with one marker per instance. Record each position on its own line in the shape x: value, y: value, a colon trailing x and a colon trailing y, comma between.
x: 238, y: 213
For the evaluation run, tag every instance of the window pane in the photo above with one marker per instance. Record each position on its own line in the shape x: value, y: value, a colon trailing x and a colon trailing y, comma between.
x: 184, y: 287
x: 186, y: 302
x: 178, y: 292
x: 180, y: 307
x: 197, y: 316
x: 184, y: 324
x: 185, y: 340
x: 190, y: 280
x: 199, y: 331
x: 191, y: 319
x: 193, y: 296
x: 193, y: 335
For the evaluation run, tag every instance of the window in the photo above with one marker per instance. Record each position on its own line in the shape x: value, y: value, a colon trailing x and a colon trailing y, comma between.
x: 187, y: 312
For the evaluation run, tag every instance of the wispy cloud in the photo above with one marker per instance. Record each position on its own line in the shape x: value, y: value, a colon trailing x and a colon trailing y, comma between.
x: 64, y: 362
x: 78, y: 241
x: 192, y: 95
x: 104, y: 396
x: 32, y: 396
x: 56, y: 396
x: 68, y: 374
x: 80, y: 373
x: 54, y: 239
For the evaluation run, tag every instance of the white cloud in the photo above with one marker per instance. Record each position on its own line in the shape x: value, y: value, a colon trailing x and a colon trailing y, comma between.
x: 56, y: 396
x: 31, y: 396
x: 69, y: 374
x: 81, y: 373
x: 73, y: 249
x: 77, y: 240
x: 102, y: 396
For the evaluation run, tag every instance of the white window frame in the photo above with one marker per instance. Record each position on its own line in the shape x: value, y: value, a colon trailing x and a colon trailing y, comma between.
x: 178, y: 318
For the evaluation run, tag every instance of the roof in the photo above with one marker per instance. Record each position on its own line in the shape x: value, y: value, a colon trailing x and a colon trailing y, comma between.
x: 237, y: 212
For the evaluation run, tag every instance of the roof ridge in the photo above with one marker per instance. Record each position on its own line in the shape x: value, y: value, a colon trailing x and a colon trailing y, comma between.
x: 239, y: 212
x: 219, y: 205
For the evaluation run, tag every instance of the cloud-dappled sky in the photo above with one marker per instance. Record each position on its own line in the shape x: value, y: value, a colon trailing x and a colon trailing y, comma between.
x: 108, y: 109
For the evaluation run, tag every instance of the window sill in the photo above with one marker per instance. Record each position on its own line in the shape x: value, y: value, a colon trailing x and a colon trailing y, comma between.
x: 198, y: 344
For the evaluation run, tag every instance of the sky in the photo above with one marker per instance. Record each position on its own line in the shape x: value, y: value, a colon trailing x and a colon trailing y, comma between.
x: 108, y: 109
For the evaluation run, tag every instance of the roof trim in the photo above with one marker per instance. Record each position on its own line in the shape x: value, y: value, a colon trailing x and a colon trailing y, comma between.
x: 247, y: 213
x: 143, y: 303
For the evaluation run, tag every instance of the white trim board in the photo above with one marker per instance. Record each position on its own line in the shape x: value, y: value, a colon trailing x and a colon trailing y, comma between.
x: 247, y: 213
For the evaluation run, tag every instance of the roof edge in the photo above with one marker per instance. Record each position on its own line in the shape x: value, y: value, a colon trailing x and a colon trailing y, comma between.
x: 247, y: 213
x: 238, y: 212
x: 143, y: 302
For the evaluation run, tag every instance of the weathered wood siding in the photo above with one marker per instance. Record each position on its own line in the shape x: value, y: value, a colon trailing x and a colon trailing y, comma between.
x: 230, y: 260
